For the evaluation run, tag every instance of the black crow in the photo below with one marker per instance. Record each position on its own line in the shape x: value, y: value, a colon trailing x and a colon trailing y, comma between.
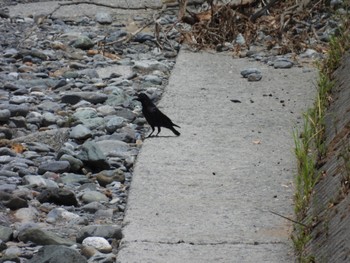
x: 154, y: 116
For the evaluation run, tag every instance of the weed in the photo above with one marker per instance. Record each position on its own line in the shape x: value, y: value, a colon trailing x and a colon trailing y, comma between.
x: 310, y: 142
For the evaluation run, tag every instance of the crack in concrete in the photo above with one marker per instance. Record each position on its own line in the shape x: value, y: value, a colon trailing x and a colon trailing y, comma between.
x: 179, y: 242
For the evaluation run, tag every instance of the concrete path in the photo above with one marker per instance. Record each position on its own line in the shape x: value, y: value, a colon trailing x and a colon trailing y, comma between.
x: 205, y: 196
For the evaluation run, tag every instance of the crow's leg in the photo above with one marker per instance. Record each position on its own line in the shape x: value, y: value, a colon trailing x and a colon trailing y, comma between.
x: 158, y: 131
x: 151, y: 132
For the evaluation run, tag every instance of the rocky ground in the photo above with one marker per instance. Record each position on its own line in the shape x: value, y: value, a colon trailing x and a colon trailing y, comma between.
x: 70, y: 131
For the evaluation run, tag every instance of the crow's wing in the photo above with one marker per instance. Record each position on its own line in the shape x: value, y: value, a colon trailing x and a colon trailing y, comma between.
x: 156, y: 118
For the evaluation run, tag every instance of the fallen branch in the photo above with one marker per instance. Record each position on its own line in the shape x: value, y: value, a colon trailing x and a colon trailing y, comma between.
x: 130, y: 36
x: 259, y: 13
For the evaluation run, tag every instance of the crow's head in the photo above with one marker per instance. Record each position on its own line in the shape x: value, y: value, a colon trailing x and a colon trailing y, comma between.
x: 142, y: 97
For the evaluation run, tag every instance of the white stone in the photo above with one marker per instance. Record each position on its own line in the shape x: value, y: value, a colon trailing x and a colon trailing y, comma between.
x: 100, y: 243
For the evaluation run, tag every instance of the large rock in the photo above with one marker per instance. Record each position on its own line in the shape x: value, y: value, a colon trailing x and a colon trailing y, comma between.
x: 113, y: 146
x: 54, y: 166
x: 12, y: 201
x: 5, y: 115
x: 83, y: 43
x: 27, y: 214
x: 80, y: 132
x: 93, y: 157
x: 5, y: 233
x: 115, y: 123
x: 58, y: 196
x: 42, y: 237
x: 56, y: 254
x: 39, y: 181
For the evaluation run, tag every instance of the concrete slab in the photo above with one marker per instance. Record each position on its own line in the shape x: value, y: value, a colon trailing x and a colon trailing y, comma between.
x: 206, y: 195
x: 81, y: 10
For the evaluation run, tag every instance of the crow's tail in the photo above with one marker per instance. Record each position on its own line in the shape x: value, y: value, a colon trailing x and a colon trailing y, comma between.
x: 175, y: 131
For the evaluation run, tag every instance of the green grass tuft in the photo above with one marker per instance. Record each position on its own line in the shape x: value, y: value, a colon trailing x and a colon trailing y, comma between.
x: 310, y: 146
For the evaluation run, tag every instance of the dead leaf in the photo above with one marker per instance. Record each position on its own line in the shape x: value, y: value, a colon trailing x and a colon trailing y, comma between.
x: 111, y: 56
x: 18, y: 147
x: 108, y: 193
x: 92, y: 52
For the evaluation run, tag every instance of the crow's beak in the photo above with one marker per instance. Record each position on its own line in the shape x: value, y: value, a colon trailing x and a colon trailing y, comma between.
x: 136, y: 99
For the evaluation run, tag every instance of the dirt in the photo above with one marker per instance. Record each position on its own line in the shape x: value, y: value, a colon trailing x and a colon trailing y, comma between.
x: 330, y: 205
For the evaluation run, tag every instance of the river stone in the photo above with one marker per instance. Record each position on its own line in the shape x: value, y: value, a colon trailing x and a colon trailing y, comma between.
x: 5, y: 115
x: 85, y: 113
x: 11, y: 254
x: 5, y: 133
x: 60, y: 214
x: 114, y: 123
x: 100, y: 243
x: 152, y: 80
x: 118, y: 99
x: 27, y: 214
x: 70, y: 74
x: 38, y: 181
x: 94, y: 123
x: 92, y: 156
x: 104, y: 18
x: 7, y: 151
x: 5, y: 233
x: 93, y: 196
x: 108, y: 176
x: 38, y: 54
x: 92, y: 208
x: 246, y: 72
x: 54, y: 166
x: 72, y: 178
x: 83, y: 43
x: 75, y: 164
x: 109, y: 146
x: 58, y: 196
x: 49, y: 118
x: 126, y: 113
x: 80, y: 132
x: 54, y: 254
x: 19, y: 121
x: 70, y: 98
x: 283, y: 63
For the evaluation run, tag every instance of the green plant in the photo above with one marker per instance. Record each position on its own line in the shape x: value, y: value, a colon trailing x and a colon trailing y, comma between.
x: 309, y: 143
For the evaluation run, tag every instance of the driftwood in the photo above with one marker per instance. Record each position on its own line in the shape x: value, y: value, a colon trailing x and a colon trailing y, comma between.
x: 262, y: 11
x: 279, y: 19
